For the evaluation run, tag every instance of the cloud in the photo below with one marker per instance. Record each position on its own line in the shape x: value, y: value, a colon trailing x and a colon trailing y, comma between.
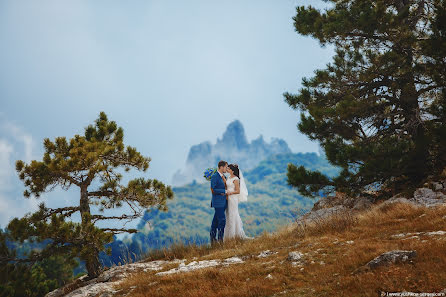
x: 15, y: 144
x: 19, y: 135
x: 5, y: 163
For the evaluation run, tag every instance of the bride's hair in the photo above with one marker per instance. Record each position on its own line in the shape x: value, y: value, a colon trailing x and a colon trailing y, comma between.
x: 234, y: 168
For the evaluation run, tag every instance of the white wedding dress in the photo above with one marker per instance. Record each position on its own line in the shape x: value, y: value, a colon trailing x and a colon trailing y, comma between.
x: 234, y: 225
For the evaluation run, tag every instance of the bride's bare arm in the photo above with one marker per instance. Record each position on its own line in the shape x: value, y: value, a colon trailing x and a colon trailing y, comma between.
x: 237, y: 187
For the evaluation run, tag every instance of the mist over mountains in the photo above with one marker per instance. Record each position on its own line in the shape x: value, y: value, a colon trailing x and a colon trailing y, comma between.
x: 233, y: 147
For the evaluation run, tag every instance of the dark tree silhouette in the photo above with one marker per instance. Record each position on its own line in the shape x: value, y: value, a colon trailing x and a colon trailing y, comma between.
x: 379, y: 109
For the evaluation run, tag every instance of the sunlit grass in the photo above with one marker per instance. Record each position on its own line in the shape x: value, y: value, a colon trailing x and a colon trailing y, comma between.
x: 333, y: 248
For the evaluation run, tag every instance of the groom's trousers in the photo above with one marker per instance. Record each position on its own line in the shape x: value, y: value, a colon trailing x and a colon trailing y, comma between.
x: 218, y: 224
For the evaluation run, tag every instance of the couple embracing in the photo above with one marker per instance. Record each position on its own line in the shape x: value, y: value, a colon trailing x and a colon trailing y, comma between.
x: 226, y: 194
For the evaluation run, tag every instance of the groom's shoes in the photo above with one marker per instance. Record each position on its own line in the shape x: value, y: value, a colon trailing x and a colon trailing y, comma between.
x: 215, y: 242
x: 213, y: 239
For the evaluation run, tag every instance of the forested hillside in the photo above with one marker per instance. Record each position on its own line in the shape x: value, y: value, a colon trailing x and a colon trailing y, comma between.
x: 271, y: 203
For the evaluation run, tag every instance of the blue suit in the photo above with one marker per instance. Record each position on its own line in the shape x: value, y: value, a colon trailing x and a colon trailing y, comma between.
x: 219, y: 203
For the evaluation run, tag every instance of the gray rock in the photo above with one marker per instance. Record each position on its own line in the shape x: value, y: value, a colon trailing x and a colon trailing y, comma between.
x: 321, y: 214
x: 322, y: 203
x: 422, y: 197
x: 403, y: 235
x: 232, y: 260
x: 194, y: 265
x: 427, y: 197
x: 266, y: 253
x: 424, y: 193
x: 362, y: 203
x: 103, y: 285
x: 340, y: 199
x: 388, y: 258
x: 433, y: 233
x: 295, y: 256
x: 399, y: 200
x: 437, y: 186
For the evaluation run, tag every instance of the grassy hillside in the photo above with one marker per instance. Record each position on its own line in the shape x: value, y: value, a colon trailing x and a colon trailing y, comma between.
x: 332, y: 250
x: 271, y: 203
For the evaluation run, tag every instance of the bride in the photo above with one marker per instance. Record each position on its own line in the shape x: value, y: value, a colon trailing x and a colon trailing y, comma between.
x: 237, y: 192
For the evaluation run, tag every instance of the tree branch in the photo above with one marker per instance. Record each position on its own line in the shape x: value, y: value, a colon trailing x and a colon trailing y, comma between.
x: 101, y: 193
x: 68, y: 209
x: 123, y: 217
x: 123, y: 230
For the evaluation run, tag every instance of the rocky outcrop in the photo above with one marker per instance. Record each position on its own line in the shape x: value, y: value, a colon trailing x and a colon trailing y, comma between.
x: 323, y: 213
x: 104, y: 285
x: 428, y: 197
x: 341, y: 204
x: 194, y: 265
x: 388, y: 258
x: 416, y: 235
x: 340, y: 199
x: 431, y: 194
x: 421, y: 197
x: 232, y: 147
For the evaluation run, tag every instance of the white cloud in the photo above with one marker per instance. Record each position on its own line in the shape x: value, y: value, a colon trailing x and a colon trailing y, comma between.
x: 19, y: 135
x: 15, y: 144
x: 5, y: 163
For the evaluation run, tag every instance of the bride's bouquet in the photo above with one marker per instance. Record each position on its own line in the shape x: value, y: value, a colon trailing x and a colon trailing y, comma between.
x: 208, y: 173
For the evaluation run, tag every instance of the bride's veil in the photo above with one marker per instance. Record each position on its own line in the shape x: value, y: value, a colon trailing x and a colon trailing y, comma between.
x: 243, y: 196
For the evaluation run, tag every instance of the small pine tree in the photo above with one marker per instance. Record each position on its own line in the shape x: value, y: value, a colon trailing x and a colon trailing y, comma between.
x: 92, y: 163
x: 379, y: 109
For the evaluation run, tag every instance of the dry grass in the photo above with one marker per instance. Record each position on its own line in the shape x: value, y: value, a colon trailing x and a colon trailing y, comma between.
x: 179, y: 251
x: 323, y: 240
x: 339, y: 221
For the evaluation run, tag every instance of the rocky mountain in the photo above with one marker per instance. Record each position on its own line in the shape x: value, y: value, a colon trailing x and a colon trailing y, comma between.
x: 232, y: 147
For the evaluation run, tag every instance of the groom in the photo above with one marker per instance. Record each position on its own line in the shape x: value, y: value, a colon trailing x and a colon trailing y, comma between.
x: 219, y: 202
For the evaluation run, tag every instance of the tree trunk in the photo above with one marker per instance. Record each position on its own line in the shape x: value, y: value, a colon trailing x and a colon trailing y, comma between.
x: 84, y: 206
x: 92, y: 261
x: 419, y: 164
x: 93, y: 266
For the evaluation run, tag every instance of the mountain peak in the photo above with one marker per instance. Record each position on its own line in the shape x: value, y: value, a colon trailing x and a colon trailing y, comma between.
x: 234, y: 136
x: 232, y: 147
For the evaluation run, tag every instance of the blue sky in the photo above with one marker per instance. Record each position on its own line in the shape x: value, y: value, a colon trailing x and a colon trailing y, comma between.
x: 171, y: 73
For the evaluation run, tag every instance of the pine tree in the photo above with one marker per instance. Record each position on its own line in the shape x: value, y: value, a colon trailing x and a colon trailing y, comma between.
x: 378, y: 109
x: 93, y: 163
